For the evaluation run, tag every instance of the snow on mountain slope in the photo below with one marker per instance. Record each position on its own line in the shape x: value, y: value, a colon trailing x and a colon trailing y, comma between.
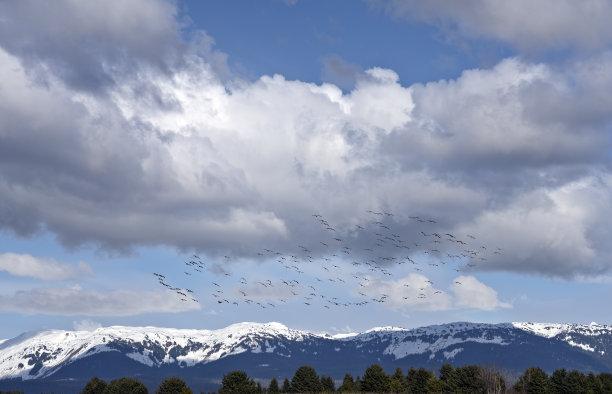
x: 431, y: 339
x: 39, y: 354
x: 589, y: 337
x: 35, y: 355
x: 551, y: 330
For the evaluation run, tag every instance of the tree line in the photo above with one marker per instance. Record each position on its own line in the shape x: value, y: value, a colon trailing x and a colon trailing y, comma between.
x: 465, y: 379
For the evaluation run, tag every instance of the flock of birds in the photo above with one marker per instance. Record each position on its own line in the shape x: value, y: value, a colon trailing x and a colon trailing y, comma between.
x: 310, y: 272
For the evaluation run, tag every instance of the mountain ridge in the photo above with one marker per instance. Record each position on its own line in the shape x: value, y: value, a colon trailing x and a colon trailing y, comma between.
x: 273, y: 349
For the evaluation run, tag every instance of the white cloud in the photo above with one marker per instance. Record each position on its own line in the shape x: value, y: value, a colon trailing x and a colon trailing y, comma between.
x: 417, y: 292
x: 471, y: 293
x: 76, y: 301
x: 87, y: 43
x: 42, y: 268
x: 527, y: 25
x: 170, y: 154
x: 556, y: 231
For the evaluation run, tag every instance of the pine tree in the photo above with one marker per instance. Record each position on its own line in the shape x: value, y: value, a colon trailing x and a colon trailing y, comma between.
x: 399, y: 376
x: 468, y: 378
x: 286, y: 386
x: 237, y: 382
x: 417, y: 380
x: 126, y: 386
x: 375, y: 379
x: 435, y: 385
x: 533, y: 380
x: 396, y: 386
x: 447, y: 376
x: 557, y: 381
x: 94, y: 386
x: 327, y: 383
x: 273, y: 387
x: 594, y: 384
x: 576, y: 382
x: 305, y: 380
x: 348, y: 385
x: 606, y: 382
x: 173, y: 385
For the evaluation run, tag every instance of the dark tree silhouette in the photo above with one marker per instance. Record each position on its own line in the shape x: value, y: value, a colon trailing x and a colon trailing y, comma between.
x: 375, y: 379
x: 126, y: 386
x: 305, y: 380
x: 533, y: 380
x: 236, y: 382
x: 173, y: 385
x: 94, y: 386
x: 273, y: 387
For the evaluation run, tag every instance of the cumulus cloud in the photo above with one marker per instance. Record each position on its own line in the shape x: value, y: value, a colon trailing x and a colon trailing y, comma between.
x: 527, y: 25
x: 77, y: 301
x: 471, y: 293
x: 42, y: 268
x: 558, y: 230
x: 417, y: 292
x: 174, y: 154
x: 88, y: 44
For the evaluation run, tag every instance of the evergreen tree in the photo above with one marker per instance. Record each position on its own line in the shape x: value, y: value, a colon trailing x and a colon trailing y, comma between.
x: 447, y: 376
x: 417, y: 380
x: 237, y: 382
x: 375, y: 379
x: 259, y: 389
x: 286, y: 386
x: 605, y: 379
x: 557, y: 381
x: 273, y: 387
x: 434, y: 385
x: 396, y: 386
x: 305, y: 380
x: 357, y: 384
x: 173, y: 385
x: 533, y: 380
x: 399, y: 376
x: 348, y: 385
x: 94, y: 386
x: 327, y: 383
x: 126, y: 386
x: 576, y: 382
x: 468, y: 378
x: 594, y: 385
x: 446, y: 372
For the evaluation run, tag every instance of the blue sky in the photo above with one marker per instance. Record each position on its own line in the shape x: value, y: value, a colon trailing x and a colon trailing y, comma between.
x: 133, y: 140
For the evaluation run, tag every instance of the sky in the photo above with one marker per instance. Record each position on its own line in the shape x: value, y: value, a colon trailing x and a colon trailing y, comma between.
x: 333, y: 166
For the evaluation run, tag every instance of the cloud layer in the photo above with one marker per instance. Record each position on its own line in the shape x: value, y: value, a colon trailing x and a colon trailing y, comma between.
x: 77, y: 301
x: 137, y: 139
x: 419, y: 293
x: 527, y: 25
x: 42, y: 268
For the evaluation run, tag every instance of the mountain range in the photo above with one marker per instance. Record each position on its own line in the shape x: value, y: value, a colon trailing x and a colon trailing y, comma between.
x: 60, y: 360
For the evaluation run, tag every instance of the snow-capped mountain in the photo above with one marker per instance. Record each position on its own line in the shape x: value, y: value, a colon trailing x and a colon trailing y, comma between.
x: 274, y: 350
x: 40, y: 354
